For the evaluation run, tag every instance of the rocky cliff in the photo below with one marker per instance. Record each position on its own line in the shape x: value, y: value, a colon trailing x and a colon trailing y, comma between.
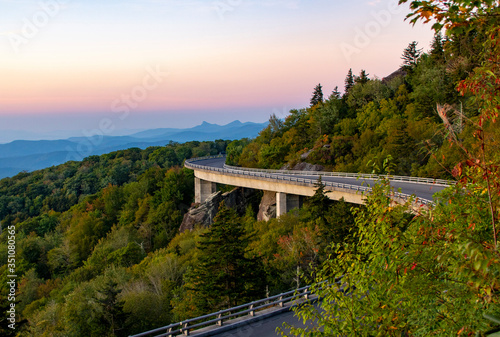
x: 267, y: 207
x: 203, y: 214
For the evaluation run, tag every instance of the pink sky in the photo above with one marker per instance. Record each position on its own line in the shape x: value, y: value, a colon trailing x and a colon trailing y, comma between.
x: 92, y: 59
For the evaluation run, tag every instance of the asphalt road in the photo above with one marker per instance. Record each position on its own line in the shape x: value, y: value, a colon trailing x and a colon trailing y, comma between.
x: 422, y: 191
x: 264, y: 328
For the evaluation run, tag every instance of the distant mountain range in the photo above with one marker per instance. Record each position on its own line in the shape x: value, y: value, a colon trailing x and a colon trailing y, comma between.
x: 7, y: 136
x: 31, y: 155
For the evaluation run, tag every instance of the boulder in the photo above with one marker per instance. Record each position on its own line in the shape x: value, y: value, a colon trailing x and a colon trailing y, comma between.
x: 201, y: 213
x: 204, y: 213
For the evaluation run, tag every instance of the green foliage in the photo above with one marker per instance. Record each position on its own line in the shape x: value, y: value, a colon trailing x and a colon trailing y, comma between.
x: 78, y: 224
x: 410, y: 56
x: 349, y: 81
x: 234, y: 150
x: 374, y: 119
x: 317, y: 96
x: 224, y: 275
x: 418, y: 275
x: 428, y: 271
x: 457, y: 17
x: 362, y: 78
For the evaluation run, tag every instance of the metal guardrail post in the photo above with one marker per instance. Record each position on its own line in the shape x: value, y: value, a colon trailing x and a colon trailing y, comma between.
x: 185, y: 329
x: 306, y: 293
x: 251, y: 313
x: 281, y: 302
x: 219, y: 323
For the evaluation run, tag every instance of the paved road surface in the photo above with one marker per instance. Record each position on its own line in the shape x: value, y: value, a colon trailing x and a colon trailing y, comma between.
x: 263, y: 328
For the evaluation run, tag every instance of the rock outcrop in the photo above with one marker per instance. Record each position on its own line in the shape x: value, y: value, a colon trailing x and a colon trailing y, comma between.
x: 204, y: 213
x: 307, y: 167
x: 267, y: 207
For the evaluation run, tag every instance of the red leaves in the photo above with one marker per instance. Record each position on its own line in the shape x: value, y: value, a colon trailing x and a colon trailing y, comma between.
x: 457, y: 170
x: 470, y: 163
x: 413, y: 266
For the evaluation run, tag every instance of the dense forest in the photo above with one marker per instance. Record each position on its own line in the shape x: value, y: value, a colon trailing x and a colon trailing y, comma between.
x: 98, y: 247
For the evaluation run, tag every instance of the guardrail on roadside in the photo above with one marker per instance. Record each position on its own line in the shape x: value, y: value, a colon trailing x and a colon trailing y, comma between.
x: 334, y: 174
x: 218, y: 318
x: 279, y: 176
x: 350, y: 175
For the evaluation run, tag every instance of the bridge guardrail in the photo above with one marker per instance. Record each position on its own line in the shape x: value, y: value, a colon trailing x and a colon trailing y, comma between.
x: 277, y: 175
x: 219, y: 317
x: 349, y: 175
x: 336, y: 174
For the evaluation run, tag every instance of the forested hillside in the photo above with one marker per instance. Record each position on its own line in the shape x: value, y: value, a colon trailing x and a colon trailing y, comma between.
x: 434, y: 272
x: 98, y: 248
x: 374, y: 119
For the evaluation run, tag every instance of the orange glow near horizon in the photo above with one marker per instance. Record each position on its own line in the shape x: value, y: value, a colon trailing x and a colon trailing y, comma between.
x: 86, y: 63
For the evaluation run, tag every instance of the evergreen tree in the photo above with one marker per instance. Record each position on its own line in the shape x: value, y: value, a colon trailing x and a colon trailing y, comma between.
x: 410, y: 56
x: 317, y: 95
x: 349, y: 81
x: 335, y: 94
x: 363, y: 77
x: 112, y: 307
x: 437, y: 48
x: 340, y: 223
x: 319, y: 203
x: 224, y: 276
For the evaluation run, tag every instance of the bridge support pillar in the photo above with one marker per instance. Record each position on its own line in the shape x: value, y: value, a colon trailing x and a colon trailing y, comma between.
x: 286, y: 202
x: 203, y: 189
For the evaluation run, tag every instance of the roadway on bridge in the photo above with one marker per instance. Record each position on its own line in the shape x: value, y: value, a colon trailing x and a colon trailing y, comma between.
x: 421, y: 190
x: 265, y: 327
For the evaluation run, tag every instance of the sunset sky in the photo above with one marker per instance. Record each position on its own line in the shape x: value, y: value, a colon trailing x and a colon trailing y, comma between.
x: 171, y: 63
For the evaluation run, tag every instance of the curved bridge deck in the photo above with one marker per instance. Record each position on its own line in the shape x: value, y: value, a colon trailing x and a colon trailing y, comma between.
x: 289, y: 184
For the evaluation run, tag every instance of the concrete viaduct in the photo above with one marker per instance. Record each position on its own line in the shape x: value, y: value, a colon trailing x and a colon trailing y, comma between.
x: 290, y: 186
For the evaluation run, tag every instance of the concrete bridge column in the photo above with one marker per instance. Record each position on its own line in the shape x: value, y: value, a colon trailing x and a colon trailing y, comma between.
x: 203, y: 189
x: 286, y: 202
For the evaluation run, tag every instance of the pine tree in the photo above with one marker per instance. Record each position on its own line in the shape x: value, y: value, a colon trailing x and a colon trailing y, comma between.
x: 349, y: 81
x: 335, y: 94
x: 437, y: 48
x: 112, y: 307
x: 410, y: 56
x: 317, y: 95
x: 363, y: 77
x: 225, y: 276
